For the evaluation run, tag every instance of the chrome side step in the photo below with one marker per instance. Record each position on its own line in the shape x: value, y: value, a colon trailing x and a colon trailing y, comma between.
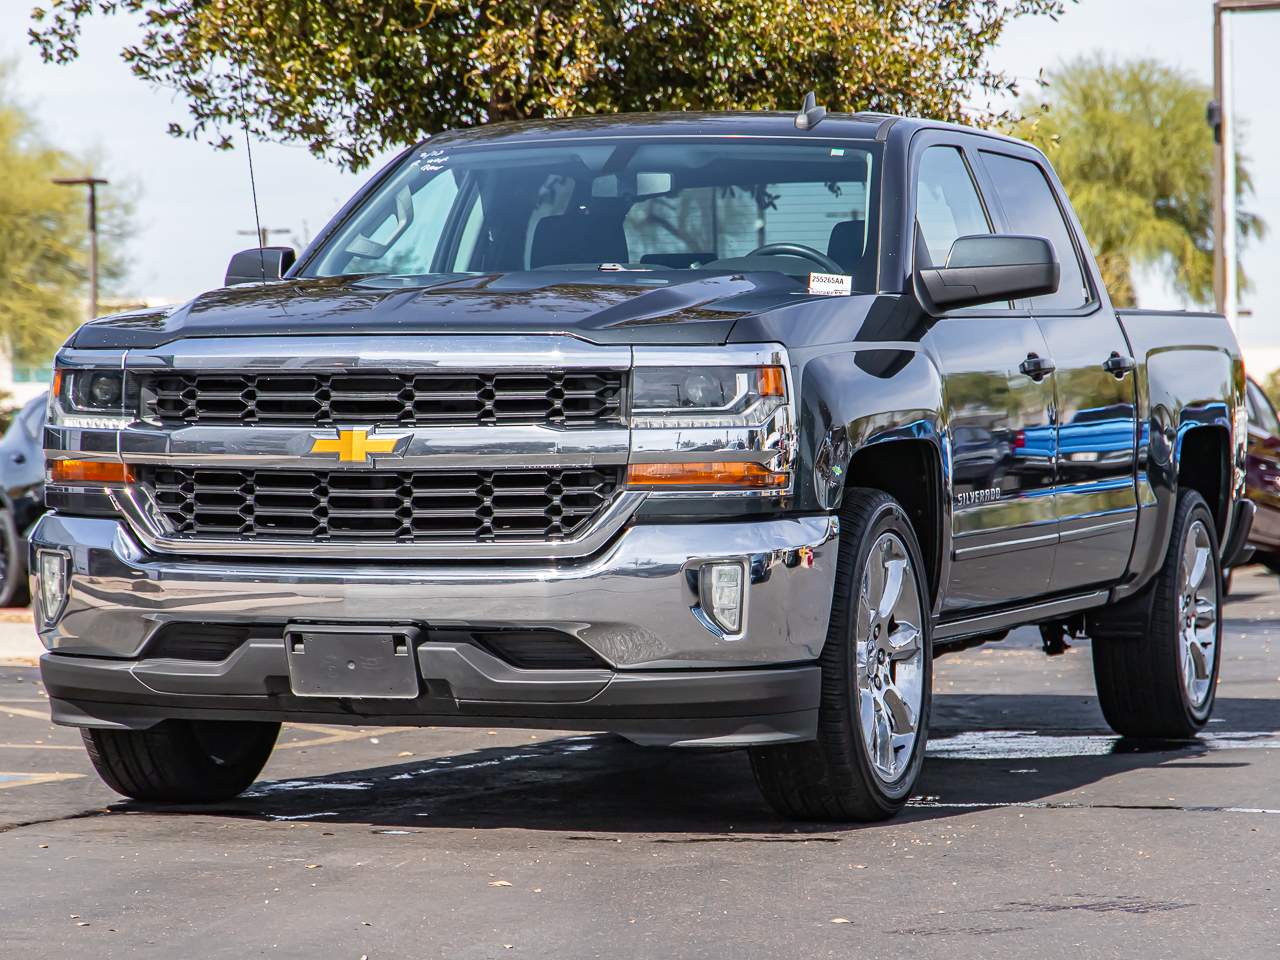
x: 1017, y: 616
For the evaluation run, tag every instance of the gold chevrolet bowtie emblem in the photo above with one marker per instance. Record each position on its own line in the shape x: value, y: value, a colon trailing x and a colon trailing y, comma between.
x: 356, y: 446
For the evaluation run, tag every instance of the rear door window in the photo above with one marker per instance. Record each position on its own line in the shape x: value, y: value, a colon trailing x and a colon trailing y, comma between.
x: 1031, y: 209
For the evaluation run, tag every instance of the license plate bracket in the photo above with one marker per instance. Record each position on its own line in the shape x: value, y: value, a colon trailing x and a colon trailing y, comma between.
x: 352, y: 660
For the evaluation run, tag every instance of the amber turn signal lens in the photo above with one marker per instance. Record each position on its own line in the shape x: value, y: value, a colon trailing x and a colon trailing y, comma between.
x: 772, y: 382
x: 729, y: 474
x: 89, y: 471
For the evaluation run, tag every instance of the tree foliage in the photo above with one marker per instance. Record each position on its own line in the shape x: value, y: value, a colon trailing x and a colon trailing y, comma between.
x: 1271, y: 387
x: 351, y: 77
x: 1131, y: 145
x: 44, y: 238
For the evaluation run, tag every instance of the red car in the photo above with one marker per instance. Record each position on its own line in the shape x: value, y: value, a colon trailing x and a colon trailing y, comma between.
x: 1263, y: 477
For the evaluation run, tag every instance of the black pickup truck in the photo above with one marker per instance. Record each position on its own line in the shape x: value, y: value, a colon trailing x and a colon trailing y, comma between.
x: 705, y: 429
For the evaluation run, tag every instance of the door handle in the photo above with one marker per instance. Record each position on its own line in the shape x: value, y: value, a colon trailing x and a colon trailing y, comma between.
x: 1118, y: 366
x: 1036, y: 367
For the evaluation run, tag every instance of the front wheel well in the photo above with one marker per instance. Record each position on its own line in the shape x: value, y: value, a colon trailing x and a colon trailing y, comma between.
x: 910, y: 471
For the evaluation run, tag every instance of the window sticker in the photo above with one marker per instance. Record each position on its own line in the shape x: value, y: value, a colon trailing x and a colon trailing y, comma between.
x: 830, y: 284
x: 431, y: 161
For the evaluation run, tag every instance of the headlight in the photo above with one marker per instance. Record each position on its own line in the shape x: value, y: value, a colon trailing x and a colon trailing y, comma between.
x: 711, y: 428
x: 706, y: 396
x: 90, y: 399
x: 91, y: 391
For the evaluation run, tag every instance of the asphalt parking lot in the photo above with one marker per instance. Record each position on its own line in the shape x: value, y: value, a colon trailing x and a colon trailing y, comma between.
x: 1036, y: 833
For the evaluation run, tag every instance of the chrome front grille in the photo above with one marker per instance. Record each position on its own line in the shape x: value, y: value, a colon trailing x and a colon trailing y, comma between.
x: 573, y: 398
x: 379, y: 506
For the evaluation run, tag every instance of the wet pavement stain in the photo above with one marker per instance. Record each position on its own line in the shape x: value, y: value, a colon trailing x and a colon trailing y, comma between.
x: 1121, y: 904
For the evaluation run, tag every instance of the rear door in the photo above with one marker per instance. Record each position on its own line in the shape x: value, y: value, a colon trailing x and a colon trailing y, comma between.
x: 998, y: 392
x: 1094, y: 382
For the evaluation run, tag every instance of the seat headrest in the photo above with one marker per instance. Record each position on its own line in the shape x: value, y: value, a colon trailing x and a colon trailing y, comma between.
x: 846, y: 242
x: 578, y: 238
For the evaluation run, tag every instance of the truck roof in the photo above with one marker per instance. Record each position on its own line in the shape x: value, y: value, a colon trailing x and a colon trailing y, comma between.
x: 759, y: 123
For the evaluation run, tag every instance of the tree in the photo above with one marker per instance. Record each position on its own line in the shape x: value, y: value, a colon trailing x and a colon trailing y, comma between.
x: 351, y: 77
x: 1271, y: 387
x: 1131, y: 145
x: 44, y: 238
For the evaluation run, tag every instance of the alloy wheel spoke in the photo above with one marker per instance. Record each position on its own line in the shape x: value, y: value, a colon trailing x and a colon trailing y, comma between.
x: 1206, y: 613
x: 882, y: 744
x: 902, y: 719
x: 1199, y: 659
x: 1188, y: 561
x: 1199, y: 566
x: 873, y: 584
x: 867, y: 709
x: 904, y: 642
x: 894, y: 571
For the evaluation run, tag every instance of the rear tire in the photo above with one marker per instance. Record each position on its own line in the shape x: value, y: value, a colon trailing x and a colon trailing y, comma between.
x: 1160, y: 682
x: 182, y: 761
x: 877, y: 673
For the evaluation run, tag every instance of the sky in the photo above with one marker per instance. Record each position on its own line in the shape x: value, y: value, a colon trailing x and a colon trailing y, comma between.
x: 193, y: 201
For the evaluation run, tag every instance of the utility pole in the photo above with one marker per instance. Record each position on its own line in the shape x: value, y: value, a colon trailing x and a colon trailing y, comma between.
x: 1226, y: 291
x: 92, y: 183
x: 263, y: 233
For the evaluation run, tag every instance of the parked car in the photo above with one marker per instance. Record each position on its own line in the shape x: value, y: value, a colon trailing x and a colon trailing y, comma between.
x: 21, y: 496
x: 643, y: 424
x: 1262, y: 477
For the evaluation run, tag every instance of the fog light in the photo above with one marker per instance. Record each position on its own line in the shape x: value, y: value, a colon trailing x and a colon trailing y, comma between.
x: 51, y: 574
x: 721, y: 589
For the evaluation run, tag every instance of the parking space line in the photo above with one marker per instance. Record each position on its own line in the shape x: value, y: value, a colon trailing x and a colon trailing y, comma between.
x: 40, y: 746
x: 8, y: 780
x: 24, y: 712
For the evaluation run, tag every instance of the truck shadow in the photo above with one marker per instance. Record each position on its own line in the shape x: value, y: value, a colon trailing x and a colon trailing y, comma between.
x: 985, y: 751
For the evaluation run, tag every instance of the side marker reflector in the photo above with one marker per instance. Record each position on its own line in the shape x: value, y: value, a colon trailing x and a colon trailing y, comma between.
x: 89, y: 471
x: 710, y: 474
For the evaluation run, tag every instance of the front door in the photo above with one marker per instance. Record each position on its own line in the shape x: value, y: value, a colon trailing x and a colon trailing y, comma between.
x: 998, y: 392
x: 1094, y: 497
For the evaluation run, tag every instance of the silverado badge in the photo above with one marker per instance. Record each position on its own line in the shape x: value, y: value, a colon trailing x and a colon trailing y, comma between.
x: 357, y: 446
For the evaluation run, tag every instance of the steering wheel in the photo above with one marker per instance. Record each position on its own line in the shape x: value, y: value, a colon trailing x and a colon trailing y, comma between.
x: 798, y: 250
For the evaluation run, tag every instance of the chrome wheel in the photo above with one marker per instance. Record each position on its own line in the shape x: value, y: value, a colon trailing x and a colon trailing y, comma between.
x: 890, y: 657
x: 1197, y: 614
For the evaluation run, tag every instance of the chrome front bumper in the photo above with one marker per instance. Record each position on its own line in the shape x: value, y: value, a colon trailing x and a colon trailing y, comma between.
x: 635, y: 604
x: 670, y: 677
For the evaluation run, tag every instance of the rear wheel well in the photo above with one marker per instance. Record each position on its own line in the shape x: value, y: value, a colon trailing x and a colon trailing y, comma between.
x: 1202, y: 466
x: 909, y: 471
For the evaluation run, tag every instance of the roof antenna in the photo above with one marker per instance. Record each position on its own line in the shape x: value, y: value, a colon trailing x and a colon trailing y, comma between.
x: 810, y: 113
x: 253, y: 183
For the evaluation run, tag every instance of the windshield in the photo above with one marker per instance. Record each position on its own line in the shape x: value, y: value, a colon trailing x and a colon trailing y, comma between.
x: 632, y: 204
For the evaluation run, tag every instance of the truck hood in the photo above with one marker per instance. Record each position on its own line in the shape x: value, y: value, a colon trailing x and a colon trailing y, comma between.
x: 632, y: 307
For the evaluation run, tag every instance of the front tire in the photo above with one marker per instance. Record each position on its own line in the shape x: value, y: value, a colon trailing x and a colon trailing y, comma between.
x: 877, y: 674
x: 182, y: 761
x: 1161, y: 682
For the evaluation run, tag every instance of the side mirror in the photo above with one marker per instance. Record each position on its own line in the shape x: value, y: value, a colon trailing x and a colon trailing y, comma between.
x: 257, y: 265
x: 989, y: 268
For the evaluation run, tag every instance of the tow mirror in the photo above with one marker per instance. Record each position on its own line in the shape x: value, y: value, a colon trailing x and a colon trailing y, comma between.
x: 259, y: 264
x: 988, y: 268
